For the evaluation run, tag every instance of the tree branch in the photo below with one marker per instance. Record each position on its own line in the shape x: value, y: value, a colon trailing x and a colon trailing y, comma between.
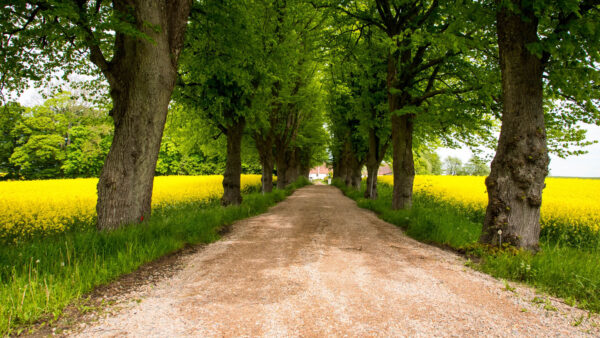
x: 29, y: 21
x: 428, y: 13
x: 96, y: 55
x: 564, y: 21
x: 419, y: 100
x: 367, y: 20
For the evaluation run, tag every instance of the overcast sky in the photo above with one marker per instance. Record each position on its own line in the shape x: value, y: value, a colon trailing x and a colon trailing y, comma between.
x: 587, y: 165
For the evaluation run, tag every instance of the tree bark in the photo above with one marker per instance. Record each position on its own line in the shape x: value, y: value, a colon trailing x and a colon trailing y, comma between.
x: 282, y: 168
x: 342, y: 168
x: 403, y: 166
x: 264, y: 145
x: 233, y: 166
x: 375, y: 155
x: 402, y: 129
x: 520, y: 165
x: 293, y: 170
x: 353, y: 168
x: 141, y: 76
x: 356, y: 175
x: 371, y: 184
x: 346, y: 168
x: 267, y: 175
x: 305, y: 172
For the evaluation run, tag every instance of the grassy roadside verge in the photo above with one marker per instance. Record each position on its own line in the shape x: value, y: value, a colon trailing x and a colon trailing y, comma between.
x: 39, y: 278
x: 571, y: 273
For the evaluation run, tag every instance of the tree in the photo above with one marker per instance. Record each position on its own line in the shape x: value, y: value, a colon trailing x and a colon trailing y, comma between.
x: 453, y: 166
x: 348, y: 146
x: 135, y: 45
x: 426, y: 42
x: 476, y: 167
x: 221, y: 70
x: 358, y: 116
x: 545, y: 46
x: 372, y: 111
x: 11, y: 115
x: 61, y: 138
x: 427, y: 163
x: 287, y: 98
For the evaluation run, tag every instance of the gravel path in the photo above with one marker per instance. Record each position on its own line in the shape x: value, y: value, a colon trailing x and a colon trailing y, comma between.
x: 317, y: 265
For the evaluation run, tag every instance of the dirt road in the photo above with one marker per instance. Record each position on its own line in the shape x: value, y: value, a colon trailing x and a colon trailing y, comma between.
x: 317, y: 265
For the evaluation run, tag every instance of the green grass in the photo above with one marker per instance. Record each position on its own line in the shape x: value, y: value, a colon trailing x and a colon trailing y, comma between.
x: 569, y: 272
x: 39, y: 278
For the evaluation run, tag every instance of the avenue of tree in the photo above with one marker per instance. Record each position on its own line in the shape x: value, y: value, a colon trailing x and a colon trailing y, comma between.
x: 198, y: 86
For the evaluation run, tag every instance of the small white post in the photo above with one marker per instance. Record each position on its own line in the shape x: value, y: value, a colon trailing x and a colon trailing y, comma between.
x: 500, y: 238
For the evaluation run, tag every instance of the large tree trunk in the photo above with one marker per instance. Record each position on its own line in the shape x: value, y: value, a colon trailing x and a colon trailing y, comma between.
x: 282, y: 169
x: 521, y: 163
x: 354, y: 166
x: 356, y: 175
x: 374, y: 157
x: 371, y: 184
x: 342, y: 166
x: 233, y: 167
x: 304, y: 163
x: 141, y: 77
x: 403, y: 166
x: 305, y: 171
x: 346, y: 167
x: 267, y: 175
x: 402, y: 129
x: 264, y: 146
x: 293, y: 170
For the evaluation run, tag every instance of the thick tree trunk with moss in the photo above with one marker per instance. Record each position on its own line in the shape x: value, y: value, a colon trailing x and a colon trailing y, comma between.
x: 520, y: 166
x: 141, y: 76
x: 404, y: 165
x: 233, y: 167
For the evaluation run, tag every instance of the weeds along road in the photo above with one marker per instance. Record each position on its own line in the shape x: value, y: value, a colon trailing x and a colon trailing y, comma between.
x: 317, y: 265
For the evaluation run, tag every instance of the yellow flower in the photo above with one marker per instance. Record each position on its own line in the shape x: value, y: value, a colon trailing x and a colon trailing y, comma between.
x: 29, y: 208
x: 567, y: 203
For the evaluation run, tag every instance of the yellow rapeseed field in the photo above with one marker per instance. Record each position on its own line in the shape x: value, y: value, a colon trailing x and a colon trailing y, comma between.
x: 566, y: 202
x: 29, y: 208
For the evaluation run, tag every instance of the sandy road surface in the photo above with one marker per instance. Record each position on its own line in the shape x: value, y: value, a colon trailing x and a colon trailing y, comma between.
x: 317, y: 265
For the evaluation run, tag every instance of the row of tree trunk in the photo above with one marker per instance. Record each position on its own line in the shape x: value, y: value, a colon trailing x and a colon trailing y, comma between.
x: 520, y: 165
x: 292, y: 162
x: 347, y: 165
x: 142, y: 76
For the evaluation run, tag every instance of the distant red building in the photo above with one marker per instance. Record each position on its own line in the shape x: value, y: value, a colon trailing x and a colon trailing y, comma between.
x: 319, y: 172
x: 384, y: 169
